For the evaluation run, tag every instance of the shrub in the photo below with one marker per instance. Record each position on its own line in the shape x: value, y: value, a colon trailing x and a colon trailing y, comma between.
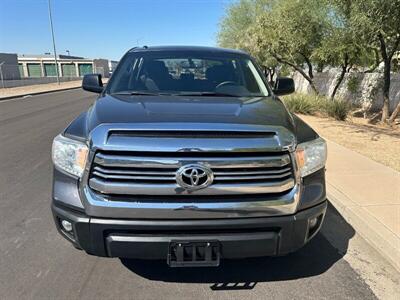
x: 302, y: 104
x: 312, y: 104
x: 337, y: 109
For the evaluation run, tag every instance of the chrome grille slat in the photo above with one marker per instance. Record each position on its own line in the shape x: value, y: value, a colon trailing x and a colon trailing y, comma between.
x: 146, y: 174
x: 212, y: 162
x: 253, y: 177
x: 149, y: 178
x: 115, y: 188
x: 133, y: 172
x: 218, y: 173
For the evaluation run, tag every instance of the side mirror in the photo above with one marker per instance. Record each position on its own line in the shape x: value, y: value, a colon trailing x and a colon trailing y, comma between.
x: 284, y: 86
x: 92, y: 83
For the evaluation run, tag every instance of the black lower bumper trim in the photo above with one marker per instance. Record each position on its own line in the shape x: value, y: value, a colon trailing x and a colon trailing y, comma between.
x: 151, y: 239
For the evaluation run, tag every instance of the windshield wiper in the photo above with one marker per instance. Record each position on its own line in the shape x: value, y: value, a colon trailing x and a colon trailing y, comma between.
x: 206, y: 94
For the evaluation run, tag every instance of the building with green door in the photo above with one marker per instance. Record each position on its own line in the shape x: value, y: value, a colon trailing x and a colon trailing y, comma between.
x: 34, y: 70
x: 85, y: 69
x: 50, y: 70
x: 67, y: 66
x: 68, y: 70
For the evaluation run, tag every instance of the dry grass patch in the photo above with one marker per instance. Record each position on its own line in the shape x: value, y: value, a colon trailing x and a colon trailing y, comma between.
x: 380, y: 143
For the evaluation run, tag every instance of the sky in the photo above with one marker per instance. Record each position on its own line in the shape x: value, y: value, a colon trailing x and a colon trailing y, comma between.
x: 107, y: 29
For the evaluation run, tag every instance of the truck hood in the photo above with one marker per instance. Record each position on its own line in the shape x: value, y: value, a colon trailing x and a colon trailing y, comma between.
x: 178, y: 109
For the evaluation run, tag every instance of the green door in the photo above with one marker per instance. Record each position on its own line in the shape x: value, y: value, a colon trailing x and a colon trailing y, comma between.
x: 21, y: 70
x: 50, y: 70
x: 85, y: 69
x: 68, y: 70
x: 34, y: 70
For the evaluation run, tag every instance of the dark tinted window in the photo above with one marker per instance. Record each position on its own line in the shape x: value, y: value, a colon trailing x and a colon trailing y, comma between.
x: 185, y: 74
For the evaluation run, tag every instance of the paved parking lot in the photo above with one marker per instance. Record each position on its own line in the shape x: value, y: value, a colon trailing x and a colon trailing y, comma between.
x: 37, y: 263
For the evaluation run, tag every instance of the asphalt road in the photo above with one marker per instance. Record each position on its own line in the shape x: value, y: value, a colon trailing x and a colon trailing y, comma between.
x: 36, y: 262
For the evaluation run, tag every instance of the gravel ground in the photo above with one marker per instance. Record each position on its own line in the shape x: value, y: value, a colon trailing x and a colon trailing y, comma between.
x: 379, y: 143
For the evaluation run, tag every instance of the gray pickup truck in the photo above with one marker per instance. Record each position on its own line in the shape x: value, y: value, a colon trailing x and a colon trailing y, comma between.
x: 188, y: 156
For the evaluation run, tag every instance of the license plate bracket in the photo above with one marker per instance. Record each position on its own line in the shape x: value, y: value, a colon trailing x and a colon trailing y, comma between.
x: 194, y: 254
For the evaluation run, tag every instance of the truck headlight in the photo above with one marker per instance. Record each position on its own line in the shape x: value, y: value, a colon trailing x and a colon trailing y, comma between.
x: 311, y: 156
x: 69, y: 155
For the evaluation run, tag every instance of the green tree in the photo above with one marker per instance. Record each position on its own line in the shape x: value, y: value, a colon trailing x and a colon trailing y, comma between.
x: 303, y: 34
x: 341, y: 47
x: 239, y: 17
x: 236, y: 29
x: 290, y: 32
x: 378, y: 22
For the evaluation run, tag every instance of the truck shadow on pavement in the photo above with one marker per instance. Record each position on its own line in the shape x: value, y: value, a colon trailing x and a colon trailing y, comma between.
x: 318, y: 256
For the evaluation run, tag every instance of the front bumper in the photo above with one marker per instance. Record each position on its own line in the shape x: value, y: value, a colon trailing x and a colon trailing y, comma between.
x: 150, y: 239
x: 310, y: 192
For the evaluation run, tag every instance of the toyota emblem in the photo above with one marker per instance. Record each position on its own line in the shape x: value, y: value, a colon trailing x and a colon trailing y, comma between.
x: 193, y: 177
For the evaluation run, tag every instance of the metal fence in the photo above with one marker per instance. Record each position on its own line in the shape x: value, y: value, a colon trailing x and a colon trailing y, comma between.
x: 13, y: 76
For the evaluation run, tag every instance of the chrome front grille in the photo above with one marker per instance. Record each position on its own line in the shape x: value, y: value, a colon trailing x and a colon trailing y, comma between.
x: 130, y: 173
x: 143, y: 175
x: 252, y: 174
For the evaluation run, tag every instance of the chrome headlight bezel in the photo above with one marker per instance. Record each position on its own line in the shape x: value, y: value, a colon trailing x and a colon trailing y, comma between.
x: 69, y: 155
x: 311, y: 156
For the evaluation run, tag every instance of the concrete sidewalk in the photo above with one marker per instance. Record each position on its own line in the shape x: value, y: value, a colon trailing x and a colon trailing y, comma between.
x: 367, y: 194
x: 21, y: 91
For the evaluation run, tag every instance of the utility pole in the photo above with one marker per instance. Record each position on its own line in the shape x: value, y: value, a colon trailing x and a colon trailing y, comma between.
x: 1, y: 73
x: 54, y: 43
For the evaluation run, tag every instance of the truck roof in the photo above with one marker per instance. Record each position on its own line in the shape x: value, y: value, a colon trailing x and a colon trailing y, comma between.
x: 188, y: 48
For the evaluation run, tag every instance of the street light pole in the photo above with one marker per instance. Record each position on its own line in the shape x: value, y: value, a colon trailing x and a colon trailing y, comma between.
x: 54, y: 43
x: 1, y: 73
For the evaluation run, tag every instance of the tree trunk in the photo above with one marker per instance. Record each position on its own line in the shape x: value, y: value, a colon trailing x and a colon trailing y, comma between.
x: 300, y: 70
x: 395, y: 113
x: 397, y: 109
x: 272, y: 73
x: 387, y: 59
x: 338, y: 83
x: 341, y: 76
x: 386, y: 91
x: 309, y: 65
x: 313, y: 87
x: 320, y: 67
x: 310, y: 69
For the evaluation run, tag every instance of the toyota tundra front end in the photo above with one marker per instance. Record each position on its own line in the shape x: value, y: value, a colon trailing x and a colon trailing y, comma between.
x: 188, y: 156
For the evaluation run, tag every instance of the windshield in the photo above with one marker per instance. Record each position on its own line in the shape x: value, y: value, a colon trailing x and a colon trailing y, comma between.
x: 157, y: 73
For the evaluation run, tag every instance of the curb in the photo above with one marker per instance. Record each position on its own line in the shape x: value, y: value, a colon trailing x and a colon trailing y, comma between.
x: 37, y: 93
x: 378, y: 236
